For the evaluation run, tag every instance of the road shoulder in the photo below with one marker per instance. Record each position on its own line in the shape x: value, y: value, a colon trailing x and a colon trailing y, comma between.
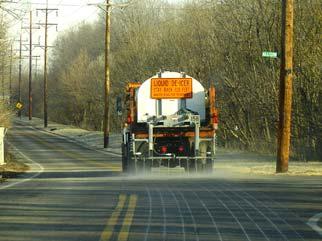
x: 32, y: 170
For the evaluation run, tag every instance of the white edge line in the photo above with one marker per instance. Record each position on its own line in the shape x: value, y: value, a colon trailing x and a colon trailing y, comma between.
x: 41, y: 169
x: 313, y: 223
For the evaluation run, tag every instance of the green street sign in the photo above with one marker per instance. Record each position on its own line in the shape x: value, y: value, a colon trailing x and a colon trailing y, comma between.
x: 269, y: 54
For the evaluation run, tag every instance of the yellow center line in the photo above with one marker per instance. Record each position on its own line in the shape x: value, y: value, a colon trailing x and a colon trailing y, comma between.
x: 127, y: 222
x: 108, y: 231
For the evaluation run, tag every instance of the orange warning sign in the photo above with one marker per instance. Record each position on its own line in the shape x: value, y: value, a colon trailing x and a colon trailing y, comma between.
x: 171, y: 88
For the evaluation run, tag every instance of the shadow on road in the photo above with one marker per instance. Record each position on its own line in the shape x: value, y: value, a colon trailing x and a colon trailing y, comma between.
x: 67, y: 174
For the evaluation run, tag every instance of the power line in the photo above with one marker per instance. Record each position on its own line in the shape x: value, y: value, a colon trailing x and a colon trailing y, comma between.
x: 58, y: 5
x: 46, y: 25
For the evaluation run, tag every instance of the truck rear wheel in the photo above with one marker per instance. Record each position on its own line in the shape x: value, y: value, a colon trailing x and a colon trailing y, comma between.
x: 127, y: 160
x: 128, y: 164
x: 124, y: 158
x: 143, y: 164
x: 206, y: 163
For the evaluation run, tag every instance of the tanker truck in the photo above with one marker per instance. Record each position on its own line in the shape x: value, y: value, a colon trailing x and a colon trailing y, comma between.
x: 171, y: 122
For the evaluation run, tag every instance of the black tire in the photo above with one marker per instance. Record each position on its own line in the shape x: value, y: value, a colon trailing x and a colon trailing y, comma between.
x: 130, y: 159
x: 196, y: 166
x: 206, y: 162
x: 144, y: 166
x: 209, y: 165
x: 124, y: 159
x: 209, y: 161
x: 128, y: 165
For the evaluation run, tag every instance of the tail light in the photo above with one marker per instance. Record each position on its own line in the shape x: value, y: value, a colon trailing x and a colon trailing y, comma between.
x: 164, y: 149
x: 129, y: 119
x: 181, y: 149
x: 215, y: 118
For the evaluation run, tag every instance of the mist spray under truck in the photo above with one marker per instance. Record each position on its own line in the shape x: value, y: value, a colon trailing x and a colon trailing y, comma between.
x: 171, y: 123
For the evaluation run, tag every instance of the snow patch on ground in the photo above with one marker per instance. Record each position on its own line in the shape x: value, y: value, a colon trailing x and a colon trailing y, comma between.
x: 269, y: 167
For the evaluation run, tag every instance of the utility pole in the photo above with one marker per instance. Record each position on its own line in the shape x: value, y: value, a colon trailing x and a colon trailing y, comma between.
x: 107, y: 76
x: 46, y: 24
x: 45, y: 71
x: 36, y: 66
x: 286, y: 79
x: 30, y: 99
x: 20, y: 67
x: 107, y: 84
x: 10, y: 75
x: 2, y: 77
x: 30, y: 68
x: 30, y: 56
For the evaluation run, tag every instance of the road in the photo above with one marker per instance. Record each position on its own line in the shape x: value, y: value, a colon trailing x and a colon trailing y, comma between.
x: 75, y: 193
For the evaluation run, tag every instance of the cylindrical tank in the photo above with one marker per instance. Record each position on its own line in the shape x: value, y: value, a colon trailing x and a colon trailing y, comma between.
x: 147, y: 106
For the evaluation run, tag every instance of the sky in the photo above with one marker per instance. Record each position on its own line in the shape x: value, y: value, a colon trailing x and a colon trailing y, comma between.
x: 70, y: 13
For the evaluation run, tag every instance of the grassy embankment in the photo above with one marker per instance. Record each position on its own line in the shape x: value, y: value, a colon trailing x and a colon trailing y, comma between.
x: 12, y: 168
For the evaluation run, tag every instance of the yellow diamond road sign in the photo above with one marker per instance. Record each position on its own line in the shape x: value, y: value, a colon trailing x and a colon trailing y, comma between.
x: 19, y: 105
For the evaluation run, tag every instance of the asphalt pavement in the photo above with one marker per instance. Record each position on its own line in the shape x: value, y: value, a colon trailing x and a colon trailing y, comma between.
x: 77, y: 193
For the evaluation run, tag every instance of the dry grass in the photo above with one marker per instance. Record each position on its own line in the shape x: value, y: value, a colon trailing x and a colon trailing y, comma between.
x: 12, y: 167
x: 5, y: 116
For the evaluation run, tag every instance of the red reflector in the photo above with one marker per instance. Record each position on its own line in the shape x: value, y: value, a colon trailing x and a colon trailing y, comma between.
x: 129, y: 120
x: 181, y: 148
x: 164, y: 149
x: 214, y: 119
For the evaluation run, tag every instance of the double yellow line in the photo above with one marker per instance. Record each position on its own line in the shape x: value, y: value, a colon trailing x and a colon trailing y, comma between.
x: 127, y: 222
